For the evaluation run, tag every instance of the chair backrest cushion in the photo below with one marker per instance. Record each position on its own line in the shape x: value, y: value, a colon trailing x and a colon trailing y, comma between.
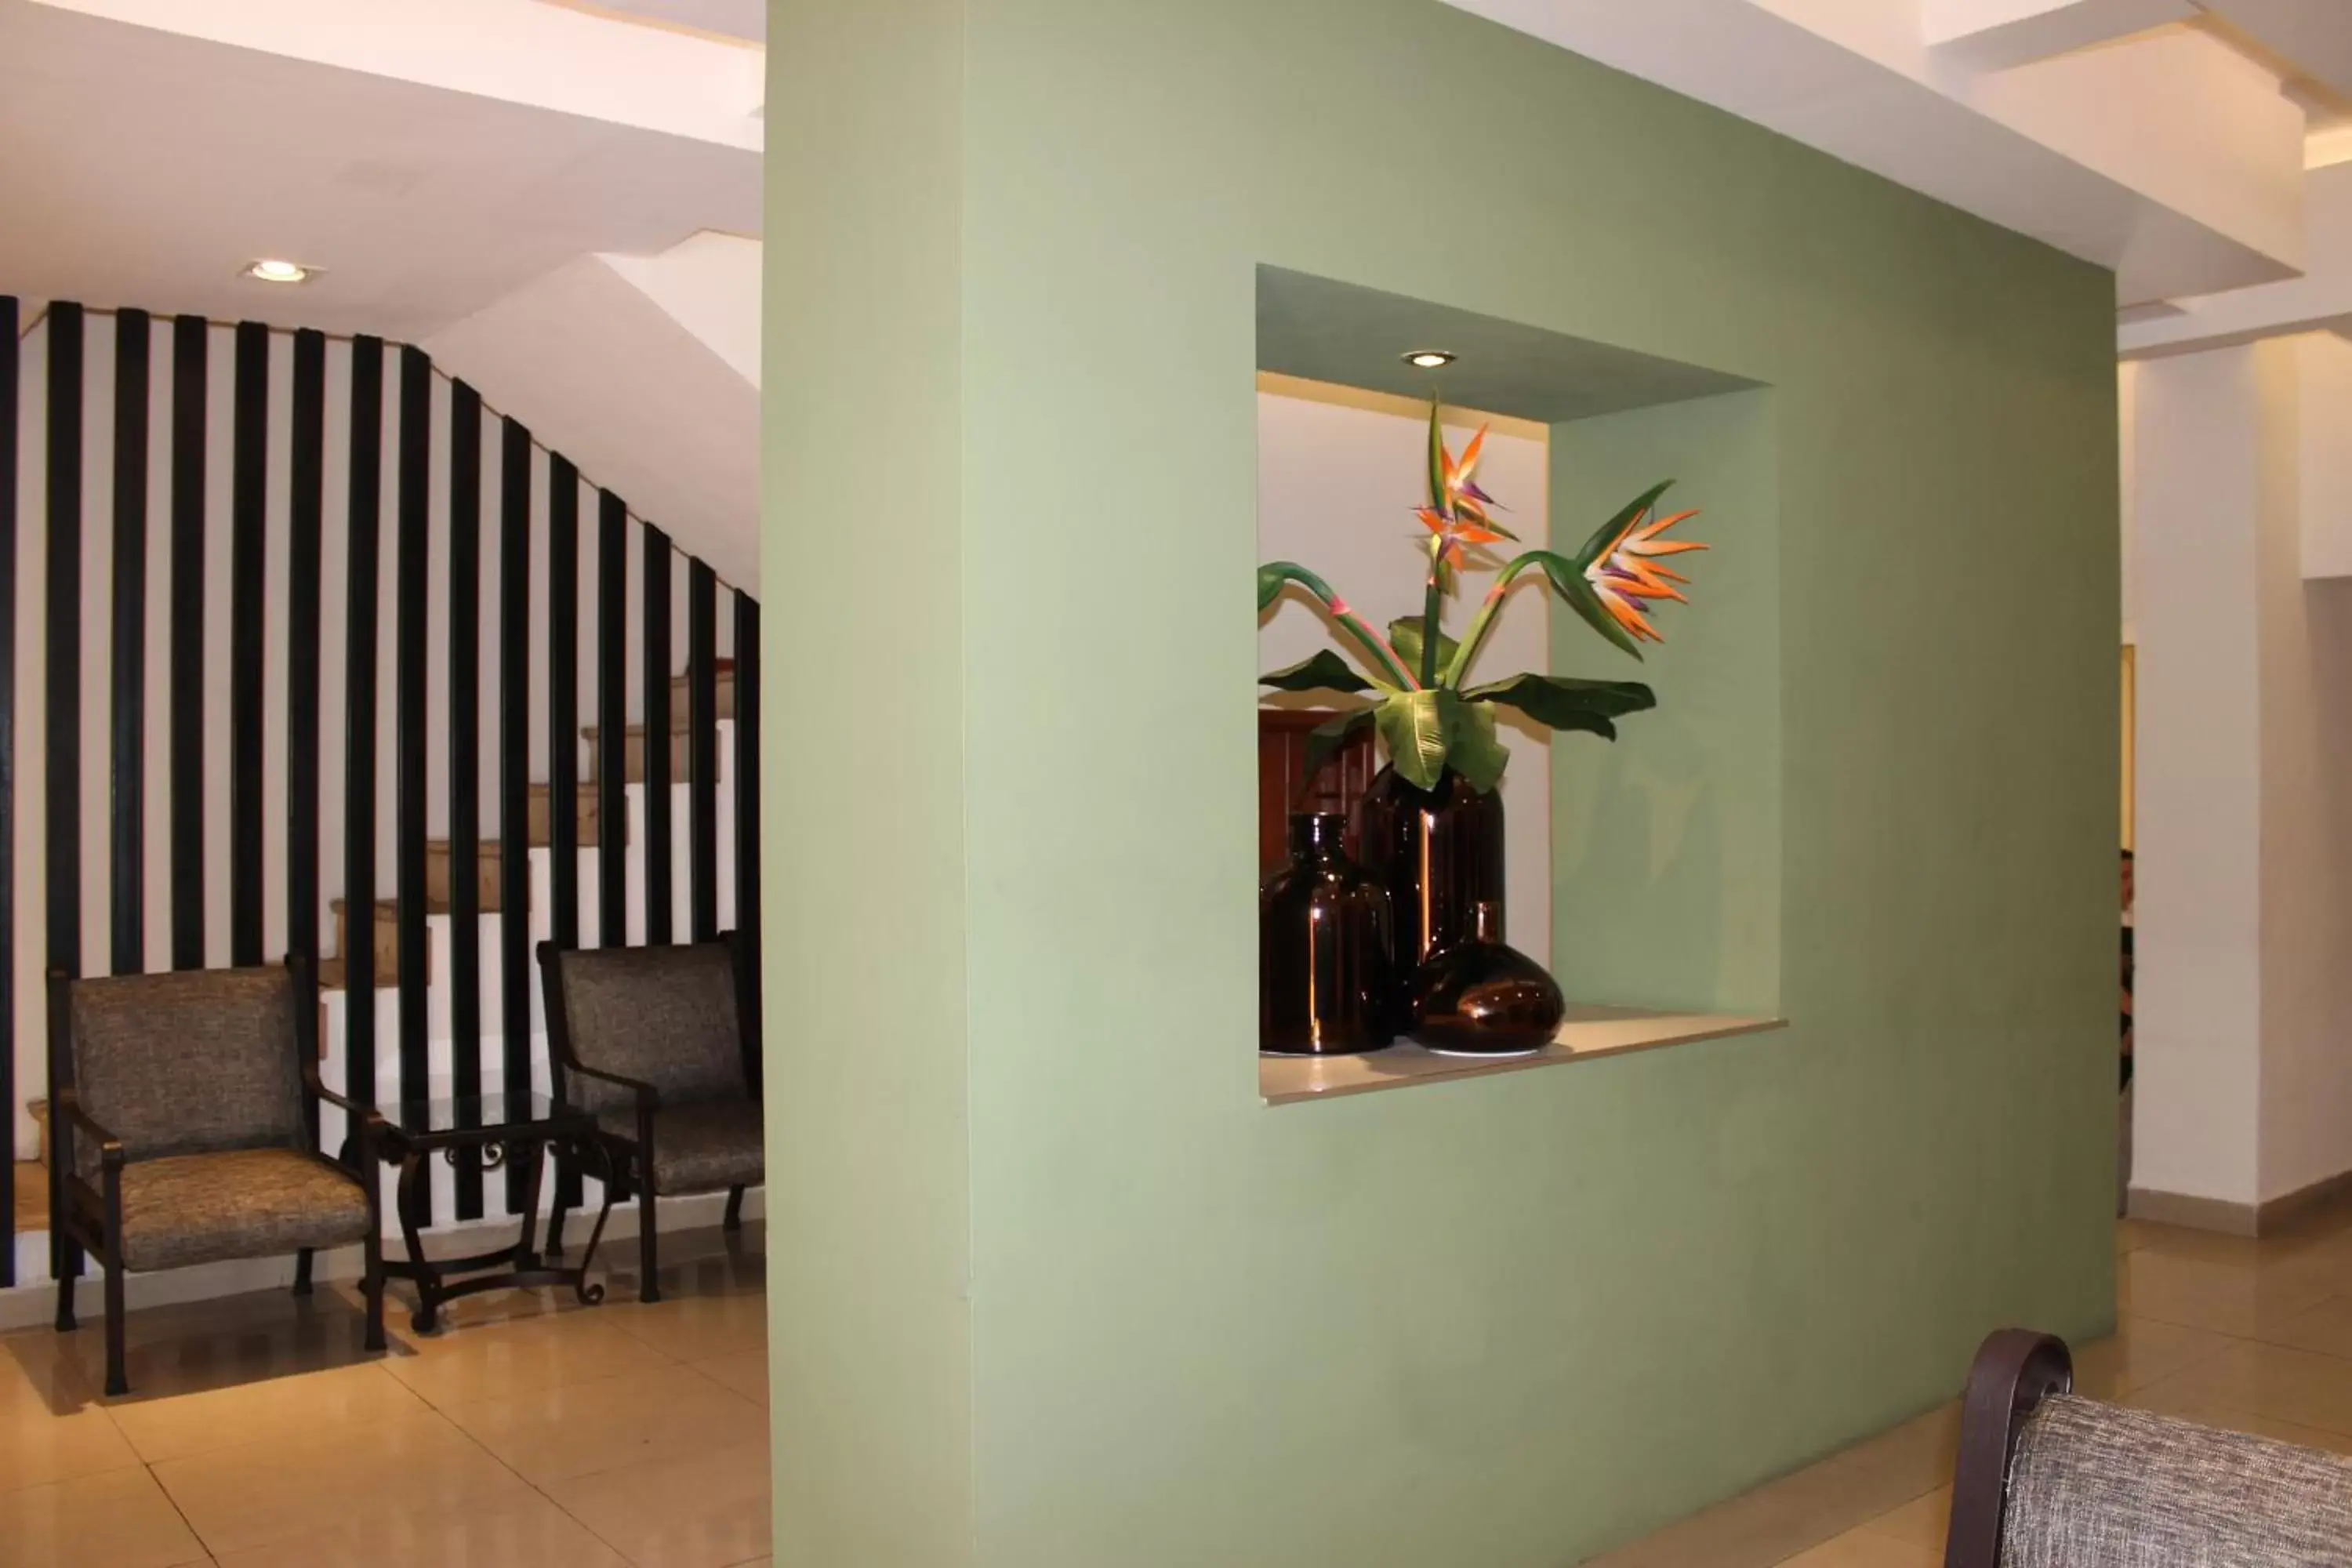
x: 2100, y: 1485
x: 188, y: 1063
x: 663, y: 1015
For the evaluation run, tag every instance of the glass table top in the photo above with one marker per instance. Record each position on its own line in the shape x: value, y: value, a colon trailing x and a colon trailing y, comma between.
x: 454, y: 1113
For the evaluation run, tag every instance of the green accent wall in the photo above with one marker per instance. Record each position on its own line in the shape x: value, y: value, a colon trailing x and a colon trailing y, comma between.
x: 1050, y: 1287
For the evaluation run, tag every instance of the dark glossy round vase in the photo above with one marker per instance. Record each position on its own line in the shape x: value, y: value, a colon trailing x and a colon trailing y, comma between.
x: 1439, y: 853
x: 1325, y: 983
x: 1481, y: 997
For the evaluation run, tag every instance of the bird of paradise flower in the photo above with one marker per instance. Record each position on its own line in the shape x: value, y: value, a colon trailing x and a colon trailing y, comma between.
x: 1427, y: 719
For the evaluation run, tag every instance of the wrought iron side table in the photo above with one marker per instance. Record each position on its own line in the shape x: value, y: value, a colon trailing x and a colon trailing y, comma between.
x: 492, y: 1130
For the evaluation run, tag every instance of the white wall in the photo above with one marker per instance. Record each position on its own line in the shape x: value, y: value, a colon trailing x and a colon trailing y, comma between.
x: 1337, y: 489
x: 2243, y: 1002
x: 31, y: 955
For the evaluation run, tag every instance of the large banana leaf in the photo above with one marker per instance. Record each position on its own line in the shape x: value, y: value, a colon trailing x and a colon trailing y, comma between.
x: 1477, y: 754
x: 1563, y: 702
x: 1404, y: 636
x: 1327, y: 672
x: 1418, y: 728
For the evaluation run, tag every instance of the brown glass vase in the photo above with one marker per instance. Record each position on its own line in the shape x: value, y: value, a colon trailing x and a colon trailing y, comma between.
x: 1482, y: 998
x: 1327, y: 985
x: 1439, y: 853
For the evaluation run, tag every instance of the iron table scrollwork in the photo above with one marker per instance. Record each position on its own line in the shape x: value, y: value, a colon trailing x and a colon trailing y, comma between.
x: 491, y: 1129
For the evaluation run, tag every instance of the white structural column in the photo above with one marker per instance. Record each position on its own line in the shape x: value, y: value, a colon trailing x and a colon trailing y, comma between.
x: 2244, y: 810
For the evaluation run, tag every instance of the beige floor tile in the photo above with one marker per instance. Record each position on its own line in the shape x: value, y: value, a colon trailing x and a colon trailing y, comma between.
x: 1862, y: 1548
x: 2325, y: 1328
x: 527, y: 1531
x: 2138, y: 1353
x: 2268, y: 1380
x: 258, y: 1494
x: 37, y: 1447
x: 38, y: 1375
x: 745, y: 1372
x: 2201, y: 1293
x: 701, y: 1510
x: 492, y: 1360
x: 551, y: 1434
x: 1924, y: 1522
x: 315, y: 1406
x: 226, y: 1343
x: 118, y: 1519
x: 698, y: 1328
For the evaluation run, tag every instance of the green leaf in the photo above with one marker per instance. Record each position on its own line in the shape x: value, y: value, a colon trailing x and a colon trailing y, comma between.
x: 1562, y: 703
x: 1418, y: 728
x: 1404, y: 636
x: 1476, y: 753
x: 1327, y: 672
x: 1567, y: 579
x: 1327, y: 738
x: 1609, y: 530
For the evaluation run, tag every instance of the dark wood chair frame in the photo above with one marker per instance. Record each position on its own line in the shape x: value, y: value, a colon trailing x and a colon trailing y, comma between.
x: 90, y: 1219
x: 2015, y: 1371
x: 632, y: 1159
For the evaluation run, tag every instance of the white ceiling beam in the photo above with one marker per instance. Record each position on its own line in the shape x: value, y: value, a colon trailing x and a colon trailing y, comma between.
x: 2051, y: 150
x: 519, y: 51
x: 1994, y: 35
x: 2320, y: 298
x: 2313, y: 36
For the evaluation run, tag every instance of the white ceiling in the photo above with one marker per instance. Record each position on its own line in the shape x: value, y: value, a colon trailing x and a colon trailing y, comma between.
x: 165, y: 163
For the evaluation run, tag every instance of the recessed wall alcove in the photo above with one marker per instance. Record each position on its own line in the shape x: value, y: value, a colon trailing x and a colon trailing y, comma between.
x: 1645, y: 872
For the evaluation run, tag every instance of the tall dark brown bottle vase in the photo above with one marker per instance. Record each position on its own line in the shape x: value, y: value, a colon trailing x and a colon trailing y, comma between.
x: 1327, y: 985
x: 1439, y: 853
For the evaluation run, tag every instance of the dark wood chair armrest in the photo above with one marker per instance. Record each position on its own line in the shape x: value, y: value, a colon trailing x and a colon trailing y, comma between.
x: 110, y: 1147
x: 361, y: 1115
x: 649, y: 1096
x: 2015, y: 1371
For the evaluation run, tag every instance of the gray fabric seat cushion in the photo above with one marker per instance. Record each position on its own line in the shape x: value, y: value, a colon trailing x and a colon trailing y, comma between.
x: 2099, y: 1485
x: 187, y: 1063
x: 702, y: 1147
x: 246, y: 1203
x: 662, y: 1015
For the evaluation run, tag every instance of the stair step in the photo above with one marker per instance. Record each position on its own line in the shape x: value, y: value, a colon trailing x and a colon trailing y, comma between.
x: 633, y: 752
x: 541, y: 822
x: 681, y: 688
x: 489, y: 873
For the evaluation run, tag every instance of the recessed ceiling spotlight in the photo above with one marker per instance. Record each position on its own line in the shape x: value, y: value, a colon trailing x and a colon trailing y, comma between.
x: 274, y: 271
x: 1429, y: 359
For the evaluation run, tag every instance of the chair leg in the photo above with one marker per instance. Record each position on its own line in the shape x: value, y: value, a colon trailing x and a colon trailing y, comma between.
x: 648, y: 1269
x: 66, y: 1322
x: 555, y: 1207
x: 117, y: 1383
x: 303, y: 1272
x: 734, y: 1220
x: 374, y: 1286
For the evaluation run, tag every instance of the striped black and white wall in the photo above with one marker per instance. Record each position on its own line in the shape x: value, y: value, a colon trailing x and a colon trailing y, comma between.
x: 296, y: 624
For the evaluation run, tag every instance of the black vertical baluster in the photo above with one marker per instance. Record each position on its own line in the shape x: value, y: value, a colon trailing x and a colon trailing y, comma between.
x: 702, y: 750
x: 515, y: 459
x: 747, y: 817
x: 306, y: 517
x: 364, y: 585
x: 612, y: 718
x: 128, y: 838
x: 653, y: 616
x: 63, y: 826
x: 465, y: 768
x: 249, y: 481
x: 408, y: 729
x: 191, y: 348
x: 563, y: 697
x: 9, y: 363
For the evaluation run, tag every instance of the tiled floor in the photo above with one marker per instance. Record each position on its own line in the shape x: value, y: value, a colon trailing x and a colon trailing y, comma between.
x: 530, y: 1432
x: 2255, y: 1335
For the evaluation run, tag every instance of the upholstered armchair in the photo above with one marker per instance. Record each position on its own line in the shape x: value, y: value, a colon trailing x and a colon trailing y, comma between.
x: 650, y: 1041
x: 185, y: 1133
x: 2047, y: 1479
